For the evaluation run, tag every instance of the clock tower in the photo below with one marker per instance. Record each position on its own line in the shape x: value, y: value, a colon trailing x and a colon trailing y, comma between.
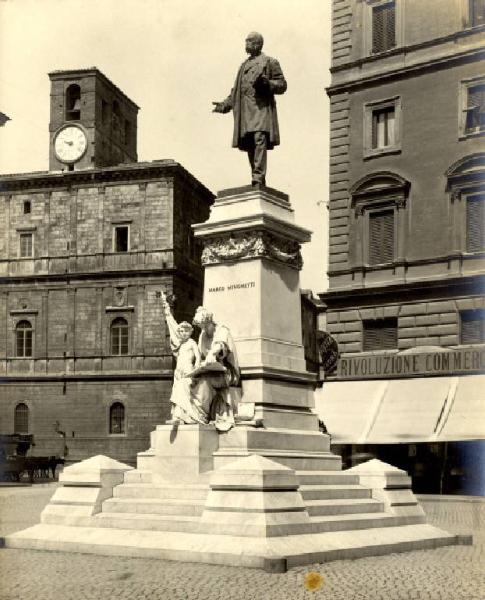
x: 92, y: 124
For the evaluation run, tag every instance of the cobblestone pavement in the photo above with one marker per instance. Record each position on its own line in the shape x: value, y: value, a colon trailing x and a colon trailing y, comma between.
x: 451, y: 573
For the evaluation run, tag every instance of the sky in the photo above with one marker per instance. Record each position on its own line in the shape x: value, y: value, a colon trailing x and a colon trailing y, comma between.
x: 174, y: 58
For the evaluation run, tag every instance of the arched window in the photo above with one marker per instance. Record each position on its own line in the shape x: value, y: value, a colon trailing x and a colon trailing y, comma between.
x: 23, y: 340
x: 466, y: 186
x: 117, y: 418
x: 73, y: 102
x: 21, y: 418
x: 119, y: 336
x: 378, y: 228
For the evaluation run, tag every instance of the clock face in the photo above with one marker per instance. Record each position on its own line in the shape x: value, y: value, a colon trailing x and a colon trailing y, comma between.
x: 70, y: 144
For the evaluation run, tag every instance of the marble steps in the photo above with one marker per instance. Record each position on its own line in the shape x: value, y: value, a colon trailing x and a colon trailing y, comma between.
x: 148, y: 522
x: 343, y: 506
x: 298, y: 461
x: 326, y: 478
x: 138, y: 476
x: 328, y: 492
x: 154, y: 506
x: 262, y: 553
x: 352, y: 521
x: 192, y: 524
x: 161, y: 491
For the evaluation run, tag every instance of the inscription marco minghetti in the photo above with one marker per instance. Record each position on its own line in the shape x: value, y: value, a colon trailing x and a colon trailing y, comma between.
x: 232, y: 287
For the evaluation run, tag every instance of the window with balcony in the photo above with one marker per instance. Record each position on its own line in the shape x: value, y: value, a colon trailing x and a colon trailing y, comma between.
x: 117, y: 418
x: 23, y: 339
x: 472, y: 326
x: 379, y: 334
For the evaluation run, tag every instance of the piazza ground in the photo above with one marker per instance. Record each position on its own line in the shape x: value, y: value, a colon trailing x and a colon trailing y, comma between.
x: 450, y: 573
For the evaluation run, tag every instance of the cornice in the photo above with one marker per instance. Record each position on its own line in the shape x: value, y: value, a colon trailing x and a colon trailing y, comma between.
x: 405, y: 291
x: 138, y: 172
x: 440, y: 62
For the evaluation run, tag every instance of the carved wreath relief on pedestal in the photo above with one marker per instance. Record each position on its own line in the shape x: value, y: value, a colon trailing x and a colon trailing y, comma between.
x: 258, y: 244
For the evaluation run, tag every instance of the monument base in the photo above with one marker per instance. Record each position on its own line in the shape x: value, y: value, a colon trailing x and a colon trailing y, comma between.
x: 271, y: 496
x: 252, y: 512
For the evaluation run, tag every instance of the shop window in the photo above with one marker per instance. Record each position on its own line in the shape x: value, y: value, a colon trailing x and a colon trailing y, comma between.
x: 119, y: 337
x: 23, y: 339
x: 73, y: 102
x: 475, y: 223
x: 476, y: 13
x: 27, y: 207
x: 381, y: 237
x: 121, y: 238
x: 383, y: 27
x: 382, y: 127
x: 26, y: 245
x: 117, y: 418
x: 472, y: 326
x: 21, y: 418
x: 380, y: 334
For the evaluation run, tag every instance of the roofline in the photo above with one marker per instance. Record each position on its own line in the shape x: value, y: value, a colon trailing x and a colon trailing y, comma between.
x: 119, y: 173
x: 70, y: 73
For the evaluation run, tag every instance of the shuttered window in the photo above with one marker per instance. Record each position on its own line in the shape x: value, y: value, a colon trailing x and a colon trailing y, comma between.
x: 476, y: 12
x: 472, y: 330
x: 475, y: 108
x: 380, y: 334
x: 475, y: 224
x: 381, y: 237
x: 383, y: 27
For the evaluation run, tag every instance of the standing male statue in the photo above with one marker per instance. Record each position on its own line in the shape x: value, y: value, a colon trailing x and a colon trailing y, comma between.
x: 252, y: 101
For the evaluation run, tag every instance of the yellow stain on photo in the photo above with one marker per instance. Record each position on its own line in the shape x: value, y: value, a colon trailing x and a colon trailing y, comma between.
x: 313, y: 581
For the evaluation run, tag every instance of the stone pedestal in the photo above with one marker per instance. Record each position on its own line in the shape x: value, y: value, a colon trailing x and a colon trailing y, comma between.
x: 180, y: 453
x: 252, y: 261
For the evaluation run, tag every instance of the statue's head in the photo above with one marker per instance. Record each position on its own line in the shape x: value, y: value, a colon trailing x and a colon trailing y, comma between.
x: 254, y: 43
x: 184, y: 330
x: 204, y: 319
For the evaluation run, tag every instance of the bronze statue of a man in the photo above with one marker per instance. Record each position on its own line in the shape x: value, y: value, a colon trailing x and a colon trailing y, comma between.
x: 253, y: 104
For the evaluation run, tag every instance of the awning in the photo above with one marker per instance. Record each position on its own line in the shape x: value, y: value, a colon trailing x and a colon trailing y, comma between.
x: 425, y: 409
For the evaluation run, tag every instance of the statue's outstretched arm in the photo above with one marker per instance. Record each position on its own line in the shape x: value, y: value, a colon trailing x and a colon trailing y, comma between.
x: 172, y: 324
x: 225, y: 106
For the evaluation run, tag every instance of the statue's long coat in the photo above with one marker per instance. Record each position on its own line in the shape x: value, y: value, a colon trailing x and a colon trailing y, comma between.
x: 252, y: 110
